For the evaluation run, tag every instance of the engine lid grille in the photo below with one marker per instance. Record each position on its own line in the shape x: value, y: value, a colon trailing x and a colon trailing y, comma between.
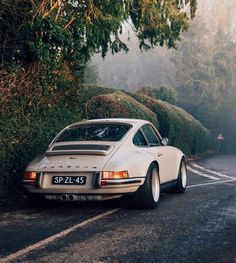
x: 82, y: 147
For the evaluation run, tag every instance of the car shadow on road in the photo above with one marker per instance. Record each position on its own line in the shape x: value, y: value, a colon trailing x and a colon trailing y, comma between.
x: 24, y: 206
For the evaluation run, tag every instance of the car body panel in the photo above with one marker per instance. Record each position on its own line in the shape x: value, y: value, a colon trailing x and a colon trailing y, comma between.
x: 91, y: 158
x: 169, y: 159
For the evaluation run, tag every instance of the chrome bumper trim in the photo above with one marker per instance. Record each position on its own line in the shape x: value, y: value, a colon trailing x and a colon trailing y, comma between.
x: 121, y: 181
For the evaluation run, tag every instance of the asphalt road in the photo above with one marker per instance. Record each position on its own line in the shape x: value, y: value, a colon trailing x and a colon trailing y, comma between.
x: 198, y: 226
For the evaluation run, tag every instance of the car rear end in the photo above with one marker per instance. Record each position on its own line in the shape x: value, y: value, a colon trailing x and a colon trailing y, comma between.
x: 74, y: 169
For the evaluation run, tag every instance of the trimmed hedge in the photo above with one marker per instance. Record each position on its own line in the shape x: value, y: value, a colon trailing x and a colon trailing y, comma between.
x: 87, y: 92
x: 182, y: 129
x: 119, y: 105
x: 24, y: 138
x: 27, y: 127
x: 167, y: 94
x: 30, y: 118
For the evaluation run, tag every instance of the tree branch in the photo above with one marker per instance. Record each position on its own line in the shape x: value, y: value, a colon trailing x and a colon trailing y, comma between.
x: 57, y: 4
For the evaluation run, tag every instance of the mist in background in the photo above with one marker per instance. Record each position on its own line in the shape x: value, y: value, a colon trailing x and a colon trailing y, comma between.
x: 135, y: 69
x: 202, y: 69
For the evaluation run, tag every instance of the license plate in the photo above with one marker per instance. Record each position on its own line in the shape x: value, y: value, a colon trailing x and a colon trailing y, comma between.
x: 69, y: 180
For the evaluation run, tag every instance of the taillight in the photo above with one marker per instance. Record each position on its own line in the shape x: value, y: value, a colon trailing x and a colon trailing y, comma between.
x: 115, y: 175
x: 30, y: 175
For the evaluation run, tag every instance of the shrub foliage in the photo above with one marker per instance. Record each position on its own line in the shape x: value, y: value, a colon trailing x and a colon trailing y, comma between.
x: 29, y: 120
x: 165, y: 94
x: 182, y: 129
x: 119, y: 105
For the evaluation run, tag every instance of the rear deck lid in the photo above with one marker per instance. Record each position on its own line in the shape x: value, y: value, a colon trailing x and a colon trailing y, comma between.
x: 80, y: 149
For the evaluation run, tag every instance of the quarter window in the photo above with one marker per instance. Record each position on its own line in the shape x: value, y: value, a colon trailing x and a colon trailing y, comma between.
x: 150, y: 135
x: 139, y: 139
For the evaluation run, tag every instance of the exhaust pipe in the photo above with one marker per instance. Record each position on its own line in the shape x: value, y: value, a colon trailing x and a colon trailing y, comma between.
x: 71, y: 198
x: 63, y: 197
x: 68, y: 197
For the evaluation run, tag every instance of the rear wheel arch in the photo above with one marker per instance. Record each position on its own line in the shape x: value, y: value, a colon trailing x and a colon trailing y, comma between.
x: 158, y: 169
x: 155, y: 163
x: 150, y: 165
x: 179, y: 159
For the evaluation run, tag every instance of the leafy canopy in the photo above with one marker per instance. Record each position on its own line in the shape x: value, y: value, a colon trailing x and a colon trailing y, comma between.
x: 55, y: 31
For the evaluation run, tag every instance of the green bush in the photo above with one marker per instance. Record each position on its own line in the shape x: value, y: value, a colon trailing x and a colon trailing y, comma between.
x: 30, y: 118
x: 24, y: 138
x: 182, y: 129
x: 118, y: 105
x: 162, y: 93
x: 87, y: 92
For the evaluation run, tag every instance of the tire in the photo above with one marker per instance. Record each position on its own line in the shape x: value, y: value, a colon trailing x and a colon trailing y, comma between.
x: 181, y: 184
x: 147, y: 196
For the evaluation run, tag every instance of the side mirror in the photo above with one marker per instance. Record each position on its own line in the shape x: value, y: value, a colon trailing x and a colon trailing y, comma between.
x: 164, y: 141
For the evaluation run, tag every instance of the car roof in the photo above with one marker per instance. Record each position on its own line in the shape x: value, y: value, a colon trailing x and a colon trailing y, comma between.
x: 133, y: 122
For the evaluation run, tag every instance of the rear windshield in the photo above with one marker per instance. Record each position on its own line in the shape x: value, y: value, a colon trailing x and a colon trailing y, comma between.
x: 95, y: 132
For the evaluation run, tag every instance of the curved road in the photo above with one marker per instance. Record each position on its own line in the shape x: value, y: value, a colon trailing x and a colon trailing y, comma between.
x: 198, y: 226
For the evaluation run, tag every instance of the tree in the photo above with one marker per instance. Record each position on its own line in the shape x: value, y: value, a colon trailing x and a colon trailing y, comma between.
x: 54, y: 39
x: 42, y: 29
x: 205, y: 64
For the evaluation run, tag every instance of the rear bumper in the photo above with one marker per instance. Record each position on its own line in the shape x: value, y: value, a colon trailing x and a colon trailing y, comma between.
x: 93, y: 186
x: 71, y: 197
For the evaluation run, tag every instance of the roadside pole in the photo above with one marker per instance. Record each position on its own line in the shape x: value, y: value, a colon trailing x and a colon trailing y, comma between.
x: 220, y: 138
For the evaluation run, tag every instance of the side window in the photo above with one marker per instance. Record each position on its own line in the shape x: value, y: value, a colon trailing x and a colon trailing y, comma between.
x: 139, y: 139
x: 150, y: 135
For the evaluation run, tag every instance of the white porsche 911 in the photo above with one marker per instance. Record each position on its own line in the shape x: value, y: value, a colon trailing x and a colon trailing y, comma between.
x: 107, y: 158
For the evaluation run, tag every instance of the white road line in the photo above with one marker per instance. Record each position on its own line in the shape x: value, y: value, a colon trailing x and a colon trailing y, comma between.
x: 202, y: 174
x: 53, y: 238
x: 205, y: 184
x: 212, y: 172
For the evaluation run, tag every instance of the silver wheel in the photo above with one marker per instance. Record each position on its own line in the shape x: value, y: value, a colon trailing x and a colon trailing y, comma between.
x: 182, y: 178
x: 184, y: 175
x: 155, y: 185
